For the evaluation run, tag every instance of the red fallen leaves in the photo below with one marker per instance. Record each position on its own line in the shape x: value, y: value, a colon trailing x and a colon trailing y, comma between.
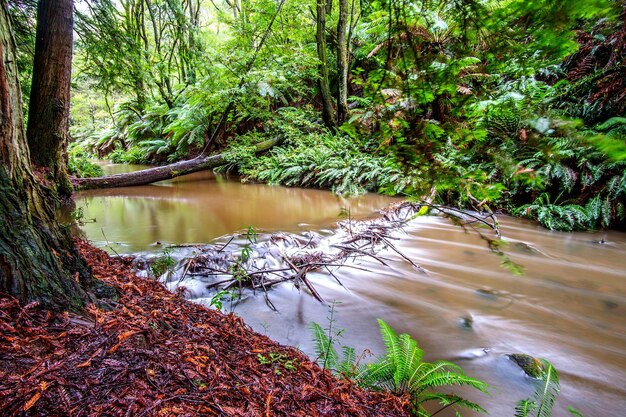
x: 157, y: 354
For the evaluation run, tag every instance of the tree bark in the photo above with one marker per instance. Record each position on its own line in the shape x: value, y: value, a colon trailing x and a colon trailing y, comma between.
x: 342, y: 62
x: 38, y: 258
x: 328, y: 113
x: 49, y: 109
x: 148, y: 176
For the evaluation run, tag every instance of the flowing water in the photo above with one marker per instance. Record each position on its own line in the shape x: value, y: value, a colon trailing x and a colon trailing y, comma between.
x: 568, y: 306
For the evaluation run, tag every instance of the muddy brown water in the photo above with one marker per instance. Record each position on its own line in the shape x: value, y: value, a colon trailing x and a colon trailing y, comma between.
x: 569, y: 305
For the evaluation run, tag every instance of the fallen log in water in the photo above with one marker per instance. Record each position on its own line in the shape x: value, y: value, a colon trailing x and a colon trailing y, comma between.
x: 166, y: 172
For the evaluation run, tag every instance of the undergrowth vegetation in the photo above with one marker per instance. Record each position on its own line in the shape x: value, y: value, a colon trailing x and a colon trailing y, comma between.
x: 401, y: 370
x: 497, y: 105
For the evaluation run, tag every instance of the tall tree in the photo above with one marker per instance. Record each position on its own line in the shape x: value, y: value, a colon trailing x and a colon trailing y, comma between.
x: 320, y: 36
x: 342, y: 62
x: 38, y: 259
x: 23, y: 15
x: 49, y: 108
x: 144, y: 47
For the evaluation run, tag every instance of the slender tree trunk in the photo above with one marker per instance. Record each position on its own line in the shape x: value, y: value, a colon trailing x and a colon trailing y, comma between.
x: 193, y: 32
x: 49, y: 110
x: 38, y: 258
x: 328, y: 113
x: 342, y: 63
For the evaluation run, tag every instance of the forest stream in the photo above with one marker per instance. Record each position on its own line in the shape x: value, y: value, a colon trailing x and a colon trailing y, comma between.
x: 568, y: 305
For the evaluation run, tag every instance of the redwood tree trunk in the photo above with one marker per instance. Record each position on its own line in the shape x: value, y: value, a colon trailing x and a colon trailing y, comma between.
x: 38, y: 258
x: 49, y: 110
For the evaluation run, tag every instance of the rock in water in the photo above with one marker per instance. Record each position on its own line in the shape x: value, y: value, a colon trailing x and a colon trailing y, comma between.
x: 531, y: 365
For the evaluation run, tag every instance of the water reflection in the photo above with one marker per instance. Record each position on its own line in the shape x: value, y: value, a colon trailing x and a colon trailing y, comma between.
x: 198, y: 208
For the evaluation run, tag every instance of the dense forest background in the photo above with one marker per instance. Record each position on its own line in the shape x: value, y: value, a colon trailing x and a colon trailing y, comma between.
x: 489, y: 105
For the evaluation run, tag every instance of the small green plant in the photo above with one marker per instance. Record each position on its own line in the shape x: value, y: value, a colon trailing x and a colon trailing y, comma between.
x: 217, y: 300
x: 78, y: 217
x: 238, y: 269
x: 83, y: 168
x: 402, y: 371
x: 543, y: 399
x: 325, y: 340
x: 164, y: 263
x: 251, y: 238
x: 278, y: 361
x: 199, y: 383
x: 79, y: 162
x: 540, y: 405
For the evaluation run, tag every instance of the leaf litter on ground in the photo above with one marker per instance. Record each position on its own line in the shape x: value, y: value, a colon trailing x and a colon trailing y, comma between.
x: 156, y: 354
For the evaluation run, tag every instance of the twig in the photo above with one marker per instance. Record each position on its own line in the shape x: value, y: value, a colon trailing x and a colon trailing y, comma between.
x: 108, y: 244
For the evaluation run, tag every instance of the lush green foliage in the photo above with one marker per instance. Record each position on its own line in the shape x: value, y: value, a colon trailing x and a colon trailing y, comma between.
x: 328, y: 162
x: 509, y: 105
x: 80, y: 163
x: 401, y: 370
x: 327, y: 355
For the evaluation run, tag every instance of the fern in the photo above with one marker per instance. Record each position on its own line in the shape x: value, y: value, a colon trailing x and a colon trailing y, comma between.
x: 402, y: 371
x: 324, y: 349
x: 544, y: 396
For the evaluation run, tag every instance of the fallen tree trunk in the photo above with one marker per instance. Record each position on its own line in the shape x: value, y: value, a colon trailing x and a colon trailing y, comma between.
x: 150, y: 175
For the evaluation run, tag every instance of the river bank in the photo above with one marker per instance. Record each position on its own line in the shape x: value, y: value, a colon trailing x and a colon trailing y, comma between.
x: 155, y: 354
x: 566, y: 307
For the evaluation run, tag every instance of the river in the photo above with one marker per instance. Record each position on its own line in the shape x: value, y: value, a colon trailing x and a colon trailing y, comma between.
x: 568, y: 306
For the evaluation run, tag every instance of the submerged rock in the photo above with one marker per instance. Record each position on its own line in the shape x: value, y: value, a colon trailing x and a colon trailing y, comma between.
x: 529, y: 364
x: 488, y: 293
x: 466, y: 322
x: 471, y: 354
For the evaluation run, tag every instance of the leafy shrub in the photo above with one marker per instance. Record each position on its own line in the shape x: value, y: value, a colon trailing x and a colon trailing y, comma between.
x: 331, y: 164
x: 80, y: 164
x: 133, y: 155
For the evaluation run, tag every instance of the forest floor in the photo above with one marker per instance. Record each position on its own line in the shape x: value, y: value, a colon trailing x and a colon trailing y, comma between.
x: 157, y: 354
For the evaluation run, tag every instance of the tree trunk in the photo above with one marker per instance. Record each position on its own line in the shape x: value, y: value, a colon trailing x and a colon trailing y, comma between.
x: 49, y: 110
x: 148, y: 176
x: 342, y: 62
x: 38, y: 258
x: 328, y: 113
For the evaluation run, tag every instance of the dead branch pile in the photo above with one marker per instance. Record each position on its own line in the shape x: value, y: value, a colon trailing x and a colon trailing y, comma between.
x: 277, y: 258
x: 245, y: 263
x: 156, y: 354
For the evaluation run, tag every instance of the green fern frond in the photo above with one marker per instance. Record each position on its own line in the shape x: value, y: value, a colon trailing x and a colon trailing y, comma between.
x: 542, y: 402
x: 524, y: 407
x: 402, y: 370
x: 390, y: 338
x: 546, y: 393
x: 324, y: 349
x: 347, y: 364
